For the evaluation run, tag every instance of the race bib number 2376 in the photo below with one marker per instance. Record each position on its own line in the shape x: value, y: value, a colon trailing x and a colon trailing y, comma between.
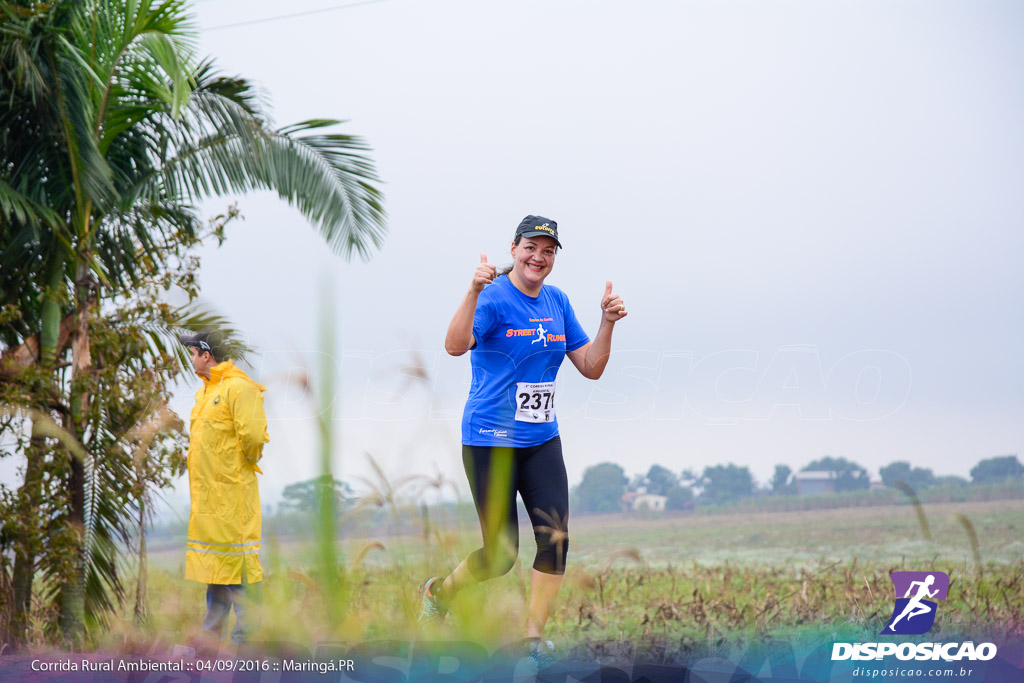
x: 535, y: 401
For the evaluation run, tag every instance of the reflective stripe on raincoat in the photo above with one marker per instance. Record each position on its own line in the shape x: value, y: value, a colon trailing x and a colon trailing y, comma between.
x: 226, y: 441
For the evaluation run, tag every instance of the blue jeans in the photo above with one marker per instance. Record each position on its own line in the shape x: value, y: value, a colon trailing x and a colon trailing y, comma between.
x: 219, y: 601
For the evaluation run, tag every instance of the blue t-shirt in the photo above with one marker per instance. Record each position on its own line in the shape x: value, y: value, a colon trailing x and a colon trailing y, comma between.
x: 521, y: 341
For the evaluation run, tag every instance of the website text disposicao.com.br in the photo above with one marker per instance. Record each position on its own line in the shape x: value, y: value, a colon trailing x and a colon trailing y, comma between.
x: 901, y: 672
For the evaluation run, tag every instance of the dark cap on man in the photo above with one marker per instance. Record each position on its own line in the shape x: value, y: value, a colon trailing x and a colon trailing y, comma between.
x: 206, y: 340
x: 538, y: 226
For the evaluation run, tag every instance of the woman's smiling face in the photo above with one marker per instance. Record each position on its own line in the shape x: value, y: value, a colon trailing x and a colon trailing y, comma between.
x: 533, y: 258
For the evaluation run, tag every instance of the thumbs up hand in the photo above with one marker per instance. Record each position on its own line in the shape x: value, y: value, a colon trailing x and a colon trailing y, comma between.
x: 612, y: 305
x: 484, y: 275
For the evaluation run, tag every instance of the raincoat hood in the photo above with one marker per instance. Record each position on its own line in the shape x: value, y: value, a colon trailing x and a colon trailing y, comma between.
x: 222, y: 371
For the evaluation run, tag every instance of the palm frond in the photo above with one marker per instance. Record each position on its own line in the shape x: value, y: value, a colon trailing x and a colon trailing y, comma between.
x: 92, y: 175
x: 103, y: 526
x: 341, y: 198
x: 165, y: 52
x: 196, y: 317
x: 328, y: 177
x: 138, y: 235
x: 91, y: 501
x: 18, y: 208
x: 143, y: 55
x: 233, y: 88
x: 24, y: 33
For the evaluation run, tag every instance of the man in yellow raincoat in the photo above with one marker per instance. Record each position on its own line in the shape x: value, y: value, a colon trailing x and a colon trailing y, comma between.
x: 226, y: 440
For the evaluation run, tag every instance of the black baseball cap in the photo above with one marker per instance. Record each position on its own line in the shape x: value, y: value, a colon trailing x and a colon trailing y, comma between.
x: 206, y: 340
x: 538, y: 226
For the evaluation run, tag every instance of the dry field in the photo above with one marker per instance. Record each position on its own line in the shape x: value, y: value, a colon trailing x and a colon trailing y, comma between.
x: 673, y: 582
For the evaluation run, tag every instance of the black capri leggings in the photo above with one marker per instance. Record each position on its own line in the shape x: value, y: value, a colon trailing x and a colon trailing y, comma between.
x: 538, y: 474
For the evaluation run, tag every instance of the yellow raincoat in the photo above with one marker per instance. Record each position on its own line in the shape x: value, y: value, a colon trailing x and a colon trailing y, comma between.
x: 226, y: 441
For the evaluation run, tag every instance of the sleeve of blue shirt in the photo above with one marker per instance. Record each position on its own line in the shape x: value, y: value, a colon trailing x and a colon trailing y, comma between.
x: 575, y: 336
x: 484, y: 316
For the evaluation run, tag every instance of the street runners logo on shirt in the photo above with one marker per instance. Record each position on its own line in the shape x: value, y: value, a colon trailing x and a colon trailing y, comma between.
x: 914, y: 614
x: 539, y: 333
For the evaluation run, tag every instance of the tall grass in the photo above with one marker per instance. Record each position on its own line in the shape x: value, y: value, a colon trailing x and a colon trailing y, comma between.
x: 329, y: 570
x: 619, y: 608
x: 621, y: 605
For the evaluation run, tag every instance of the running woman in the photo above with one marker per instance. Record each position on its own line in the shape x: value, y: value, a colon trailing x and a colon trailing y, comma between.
x: 519, y: 330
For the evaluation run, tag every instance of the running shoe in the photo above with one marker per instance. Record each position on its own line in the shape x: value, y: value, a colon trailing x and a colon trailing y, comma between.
x: 542, y: 654
x: 431, y: 609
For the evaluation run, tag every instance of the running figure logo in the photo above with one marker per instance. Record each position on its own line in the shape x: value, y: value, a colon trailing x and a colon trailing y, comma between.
x: 914, y: 614
x: 542, y: 335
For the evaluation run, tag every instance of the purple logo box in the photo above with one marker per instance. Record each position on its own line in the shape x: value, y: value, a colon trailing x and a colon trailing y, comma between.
x: 901, y: 582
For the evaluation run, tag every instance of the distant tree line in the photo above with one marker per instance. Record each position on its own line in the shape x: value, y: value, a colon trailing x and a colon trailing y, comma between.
x: 307, y: 497
x: 606, y: 488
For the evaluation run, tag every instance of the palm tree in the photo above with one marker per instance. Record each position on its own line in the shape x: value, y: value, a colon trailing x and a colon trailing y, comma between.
x: 111, y: 133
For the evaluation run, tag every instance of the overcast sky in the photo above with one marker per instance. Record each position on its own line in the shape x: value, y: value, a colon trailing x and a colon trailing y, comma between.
x: 812, y: 209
